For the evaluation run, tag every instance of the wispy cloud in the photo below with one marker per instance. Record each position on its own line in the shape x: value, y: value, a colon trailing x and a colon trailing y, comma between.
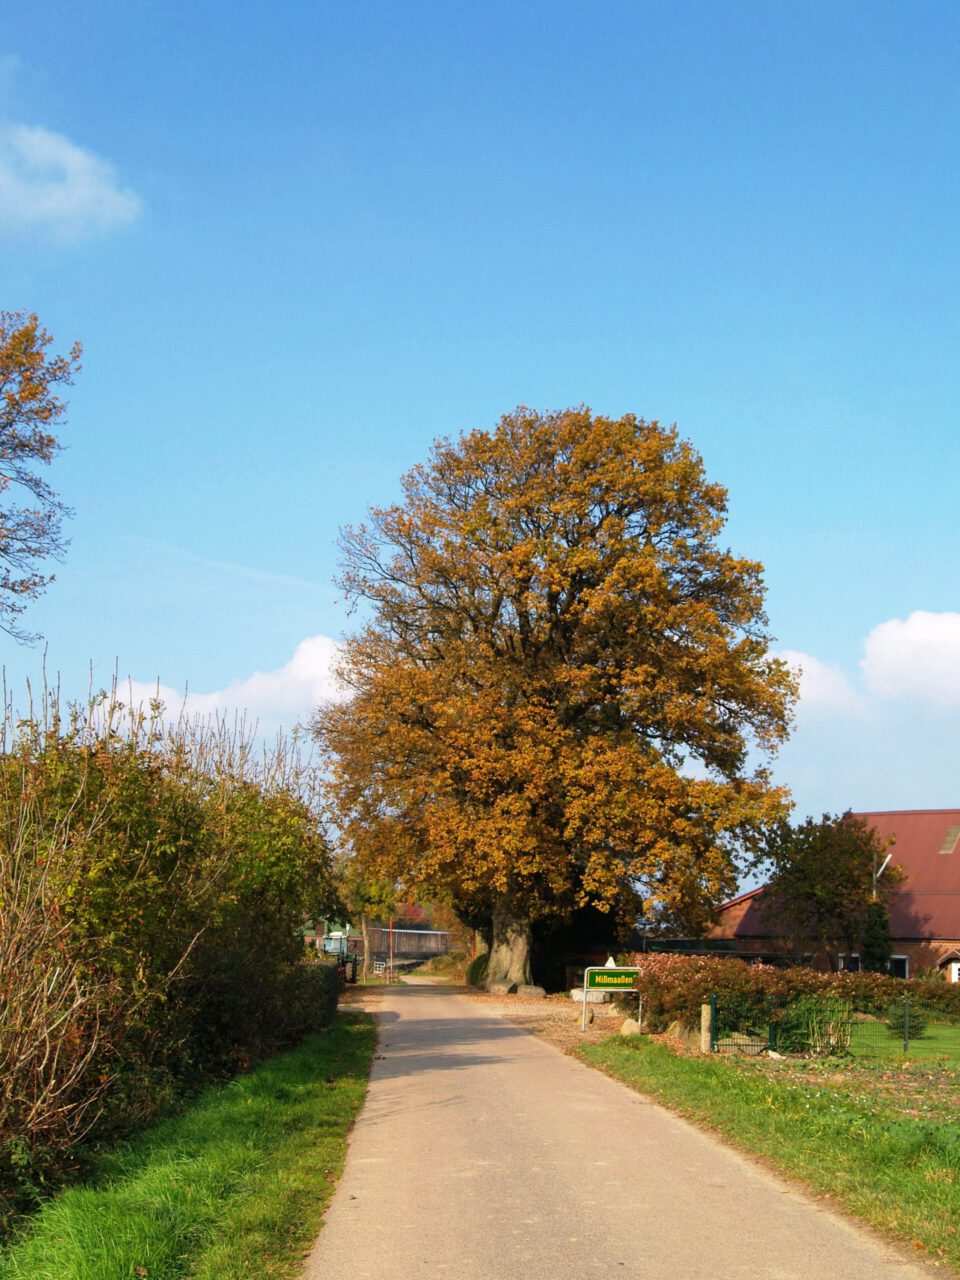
x: 284, y: 696
x: 50, y: 185
x: 227, y: 566
x: 915, y: 659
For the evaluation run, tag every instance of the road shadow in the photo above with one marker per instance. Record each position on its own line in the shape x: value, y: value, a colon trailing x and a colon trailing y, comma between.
x: 411, y: 1044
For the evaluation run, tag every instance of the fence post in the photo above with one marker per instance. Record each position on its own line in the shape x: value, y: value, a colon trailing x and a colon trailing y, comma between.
x: 906, y: 1026
x: 707, y: 1012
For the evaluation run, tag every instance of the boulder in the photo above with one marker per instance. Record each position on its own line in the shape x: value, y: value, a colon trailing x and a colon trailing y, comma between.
x: 631, y: 1027
x: 502, y: 988
x: 593, y: 997
x: 531, y: 992
x: 686, y: 1035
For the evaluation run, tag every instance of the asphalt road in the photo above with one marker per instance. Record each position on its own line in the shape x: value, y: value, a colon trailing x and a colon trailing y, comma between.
x: 485, y: 1154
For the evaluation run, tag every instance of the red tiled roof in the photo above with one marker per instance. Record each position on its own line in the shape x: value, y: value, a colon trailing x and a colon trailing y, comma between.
x: 925, y: 905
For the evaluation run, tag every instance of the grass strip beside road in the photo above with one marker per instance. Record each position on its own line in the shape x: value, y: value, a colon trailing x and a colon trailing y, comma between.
x: 899, y: 1173
x: 234, y: 1187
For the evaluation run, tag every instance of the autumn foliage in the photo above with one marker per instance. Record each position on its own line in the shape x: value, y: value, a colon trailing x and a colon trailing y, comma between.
x: 31, y: 515
x: 561, y: 679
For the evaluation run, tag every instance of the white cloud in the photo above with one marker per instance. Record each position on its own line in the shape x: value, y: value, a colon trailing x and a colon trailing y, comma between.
x: 285, y: 696
x: 49, y: 184
x: 916, y: 659
x: 822, y: 687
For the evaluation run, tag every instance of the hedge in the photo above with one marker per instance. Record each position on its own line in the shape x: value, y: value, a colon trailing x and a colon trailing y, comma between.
x: 153, y: 884
x: 674, y: 987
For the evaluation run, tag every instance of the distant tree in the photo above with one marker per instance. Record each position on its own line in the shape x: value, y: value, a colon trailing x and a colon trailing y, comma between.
x: 824, y: 879
x: 876, y: 947
x: 31, y: 514
x: 367, y: 898
x: 563, y: 675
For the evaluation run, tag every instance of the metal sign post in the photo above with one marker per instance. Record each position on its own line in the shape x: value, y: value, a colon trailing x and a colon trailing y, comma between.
x: 606, y: 978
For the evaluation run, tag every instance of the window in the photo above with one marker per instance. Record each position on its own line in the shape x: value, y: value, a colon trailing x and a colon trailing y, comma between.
x: 850, y: 963
x: 899, y: 967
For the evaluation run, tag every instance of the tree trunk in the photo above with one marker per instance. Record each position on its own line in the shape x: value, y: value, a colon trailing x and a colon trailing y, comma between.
x: 510, y: 948
x: 365, y: 935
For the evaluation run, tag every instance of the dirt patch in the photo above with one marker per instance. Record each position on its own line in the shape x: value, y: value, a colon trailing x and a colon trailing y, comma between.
x: 357, y: 996
x: 555, y: 1019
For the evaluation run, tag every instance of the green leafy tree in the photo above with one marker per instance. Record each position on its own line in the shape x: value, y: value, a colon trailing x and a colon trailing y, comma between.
x: 367, y: 898
x: 31, y: 514
x: 824, y: 878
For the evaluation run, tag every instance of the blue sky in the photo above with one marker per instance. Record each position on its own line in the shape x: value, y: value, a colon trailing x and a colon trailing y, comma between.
x: 300, y: 241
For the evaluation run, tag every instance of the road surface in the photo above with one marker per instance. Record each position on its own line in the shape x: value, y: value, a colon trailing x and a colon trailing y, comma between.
x: 483, y: 1153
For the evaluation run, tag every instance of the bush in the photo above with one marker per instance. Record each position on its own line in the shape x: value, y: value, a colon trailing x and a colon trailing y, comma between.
x: 477, y: 970
x: 153, y: 882
x: 675, y: 986
x: 451, y: 964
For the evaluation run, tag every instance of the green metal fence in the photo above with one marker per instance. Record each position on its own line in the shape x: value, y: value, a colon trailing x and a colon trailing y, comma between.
x: 816, y: 1026
x: 906, y: 1028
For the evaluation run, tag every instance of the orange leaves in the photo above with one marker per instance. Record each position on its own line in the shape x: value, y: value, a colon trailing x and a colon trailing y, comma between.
x: 556, y: 639
x: 28, y: 407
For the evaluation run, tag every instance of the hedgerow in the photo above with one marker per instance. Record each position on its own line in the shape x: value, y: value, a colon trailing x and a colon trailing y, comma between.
x: 674, y: 987
x: 153, y: 882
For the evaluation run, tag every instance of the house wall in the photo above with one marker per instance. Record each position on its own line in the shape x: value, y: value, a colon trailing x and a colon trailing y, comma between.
x: 924, y: 955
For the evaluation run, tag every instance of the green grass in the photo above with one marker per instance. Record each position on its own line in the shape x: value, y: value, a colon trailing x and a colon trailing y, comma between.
x: 234, y: 1187
x: 876, y: 1040
x: 452, y: 964
x: 900, y: 1173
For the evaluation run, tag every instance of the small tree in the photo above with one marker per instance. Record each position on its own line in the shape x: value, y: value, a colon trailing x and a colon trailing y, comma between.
x: 876, y: 947
x: 824, y: 880
x: 29, y: 411
x: 367, y: 898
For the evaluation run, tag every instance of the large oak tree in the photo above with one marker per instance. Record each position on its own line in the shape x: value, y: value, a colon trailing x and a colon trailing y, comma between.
x: 560, y: 682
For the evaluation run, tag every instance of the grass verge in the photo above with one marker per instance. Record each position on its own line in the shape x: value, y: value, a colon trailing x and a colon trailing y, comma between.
x: 452, y: 965
x: 899, y: 1173
x: 234, y: 1187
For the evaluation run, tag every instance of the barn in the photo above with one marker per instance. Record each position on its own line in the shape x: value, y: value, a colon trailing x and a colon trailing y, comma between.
x: 924, y: 910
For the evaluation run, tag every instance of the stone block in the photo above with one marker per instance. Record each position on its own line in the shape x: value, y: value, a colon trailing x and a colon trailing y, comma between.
x: 531, y: 992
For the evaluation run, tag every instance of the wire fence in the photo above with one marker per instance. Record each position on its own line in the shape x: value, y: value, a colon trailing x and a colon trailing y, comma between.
x: 815, y: 1026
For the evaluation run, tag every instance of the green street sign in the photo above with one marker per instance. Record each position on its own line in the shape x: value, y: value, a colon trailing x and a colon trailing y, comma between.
x: 611, y: 979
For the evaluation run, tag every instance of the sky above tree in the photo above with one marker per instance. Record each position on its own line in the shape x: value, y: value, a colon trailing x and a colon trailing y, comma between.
x: 301, y: 242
